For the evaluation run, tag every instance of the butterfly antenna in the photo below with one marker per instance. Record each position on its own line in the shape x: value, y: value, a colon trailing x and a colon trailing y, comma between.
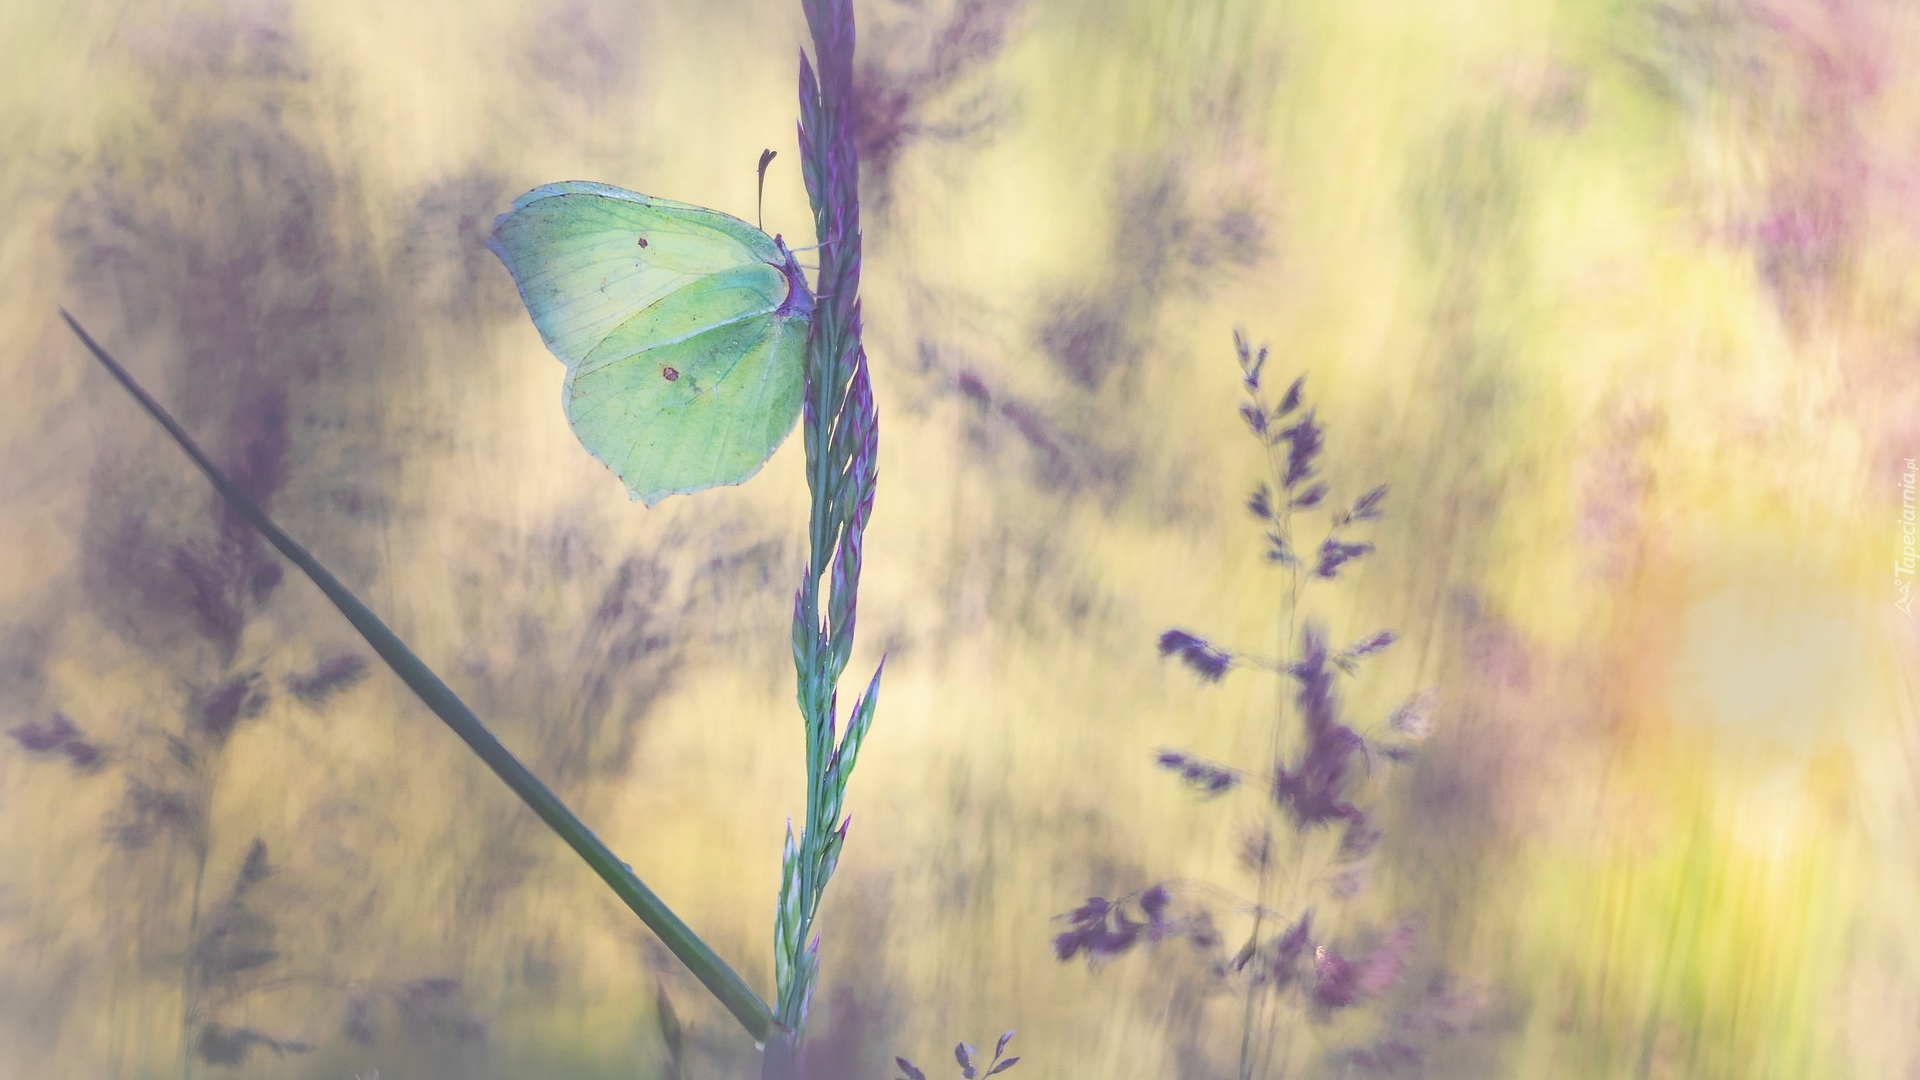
x: 766, y: 157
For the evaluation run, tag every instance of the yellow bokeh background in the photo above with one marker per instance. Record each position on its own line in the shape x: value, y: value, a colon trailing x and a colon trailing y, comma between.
x: 1619, y: 299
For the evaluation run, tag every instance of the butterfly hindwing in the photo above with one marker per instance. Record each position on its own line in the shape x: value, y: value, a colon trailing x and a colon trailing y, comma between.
x: 733, y: 398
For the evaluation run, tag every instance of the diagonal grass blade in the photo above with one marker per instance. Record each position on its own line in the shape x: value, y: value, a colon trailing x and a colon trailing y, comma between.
x: 733, y: 992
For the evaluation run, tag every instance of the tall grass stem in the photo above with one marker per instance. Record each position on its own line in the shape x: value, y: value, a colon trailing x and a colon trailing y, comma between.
x: 842, y: 445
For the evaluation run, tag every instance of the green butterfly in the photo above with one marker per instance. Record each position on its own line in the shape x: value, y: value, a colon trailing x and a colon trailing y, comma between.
x: 684, y: 330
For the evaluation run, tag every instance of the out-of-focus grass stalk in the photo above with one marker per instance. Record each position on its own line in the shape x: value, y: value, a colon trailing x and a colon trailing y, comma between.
x: 732, y: 991
x: 842, y: 440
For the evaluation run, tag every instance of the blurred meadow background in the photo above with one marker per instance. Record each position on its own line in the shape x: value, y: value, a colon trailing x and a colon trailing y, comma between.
x: 1619, y: 297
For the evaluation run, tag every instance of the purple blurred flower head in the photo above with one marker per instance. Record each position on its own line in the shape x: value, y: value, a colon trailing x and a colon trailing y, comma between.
x: 1251, y: 363
x: 1335, y: 979
x: 1304, y: 440
x: 1207, y: 661
x: 40, y: 738
x: 331, y: 677
x: 1154, y: 902
x: 82, y: 754
x: 1413, y: 718
x: 1359, y: 840
x: 1201, y: 775
x: 1314, y: 788
x: 1290, y: 948
x: 238, y: 699
x: 1336, y: 553
x: 1101, y: 928
x: 1386, y: 1056
x: 1256, y: 850
x: 1340, y: 981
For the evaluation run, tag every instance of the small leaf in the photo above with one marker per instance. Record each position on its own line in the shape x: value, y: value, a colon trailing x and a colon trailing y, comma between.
x: 1367, y: 507
x: 331, y: 677
x: 1003, y: 1066
x: 1260, y: 503
x: 1358, y: 841
x: 1001, y: 1047
x: 1373, y: 644
x: 219, y: 1046
x: 256, y: 867
x: 859, y: 722
x: 1414, y: 717
x: 964, y: 1055
x: 1334, y: 554
x: 236, y: 961
x: 672, y: 1033
x: 1278, y: 550
x: 909, y: 1069
x: 1201, y: 932
x: 81, y: 752
x: 40, y: 738
x: 1241, y: 958
x: 1309, y: 498
x: 1292, y: 399
x: 1207, y: 661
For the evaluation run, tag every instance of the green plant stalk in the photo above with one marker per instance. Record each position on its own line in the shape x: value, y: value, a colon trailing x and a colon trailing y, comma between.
x: 842, y: 444
x: 706, y: 965
x: 189, y: 967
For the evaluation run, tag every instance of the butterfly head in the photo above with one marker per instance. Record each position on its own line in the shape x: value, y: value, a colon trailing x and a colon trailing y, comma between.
x: 799, y: 299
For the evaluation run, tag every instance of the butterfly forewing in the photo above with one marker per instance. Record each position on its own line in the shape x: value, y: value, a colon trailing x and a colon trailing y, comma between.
x: 573, y: 250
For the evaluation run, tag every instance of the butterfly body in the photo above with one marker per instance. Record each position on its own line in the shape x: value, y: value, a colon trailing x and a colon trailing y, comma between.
x: 683, y: 330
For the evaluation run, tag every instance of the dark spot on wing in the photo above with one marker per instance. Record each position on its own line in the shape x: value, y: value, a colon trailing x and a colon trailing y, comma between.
x: 643, y: 241
x: 669, y: 373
